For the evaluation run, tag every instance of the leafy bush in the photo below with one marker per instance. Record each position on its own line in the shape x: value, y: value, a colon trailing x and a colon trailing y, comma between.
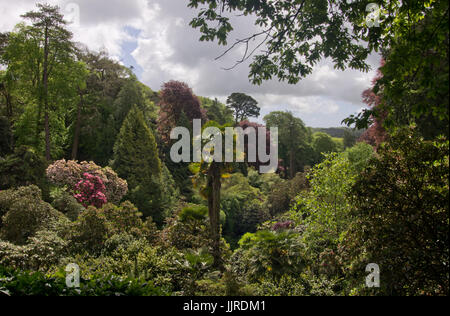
x: 40, y: 253
x: 90, y: 231
x: 191, y: 231
x: 127, y: 219
x: 303, y: 285
x: 21, y: 283
x: 282, y: 195
x: 90, y: 191
x: 402, y: 217
x: 269, y: 254
x: 195, y: 212
x: 69, y: 173
x: 25, y: 213
x: 127, y: 256
x: 243, y: 206
x: 66, y: 203
x: 94, y: 226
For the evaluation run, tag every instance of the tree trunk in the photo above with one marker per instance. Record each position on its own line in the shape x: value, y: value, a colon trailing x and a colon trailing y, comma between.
x: 45, y: 82
x: 214, y: 185
x: 9, y: 108
x: 291, y: 164
x: 76, y: 139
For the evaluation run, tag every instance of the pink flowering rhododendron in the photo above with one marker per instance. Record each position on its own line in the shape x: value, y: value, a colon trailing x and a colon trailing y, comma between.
x: 90, y: 191
x: 69, y: 173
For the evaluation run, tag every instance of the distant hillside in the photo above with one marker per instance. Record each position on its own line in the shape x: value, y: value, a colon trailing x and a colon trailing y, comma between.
x: 338, y: 132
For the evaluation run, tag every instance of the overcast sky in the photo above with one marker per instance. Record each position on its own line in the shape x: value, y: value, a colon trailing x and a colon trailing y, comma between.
x: 154, y: 37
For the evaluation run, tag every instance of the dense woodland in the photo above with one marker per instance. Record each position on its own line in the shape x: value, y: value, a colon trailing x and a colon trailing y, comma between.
x: 86, y: 175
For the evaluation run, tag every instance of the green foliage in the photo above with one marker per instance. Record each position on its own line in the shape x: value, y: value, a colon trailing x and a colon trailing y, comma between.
x: 291, y: 285
x: 136, y: 159
x: 21, y: 283
x: 359, y: 156
x: 337, y: 29
x: 323, y: 143
x: 402, y: 217
x: 22, y: 168
x: 324, y: 209
x: 414, y: 86
x: 189, y: 229
x: 41, y: 252
x: 90, y: 231
x: 65, y: 203
x: 195, y: 212
x: 283, y: 194
x: 24, y: 214
x: 94, y: 226
x: 243, y: 106
x: 242, y: 205
x: 269, y: 254
x: 216, y: 111
x: 292, y: 138
x: 6, y: 137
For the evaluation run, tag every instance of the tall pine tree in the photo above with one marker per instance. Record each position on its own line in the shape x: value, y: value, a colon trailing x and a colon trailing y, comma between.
x: 136, y: 160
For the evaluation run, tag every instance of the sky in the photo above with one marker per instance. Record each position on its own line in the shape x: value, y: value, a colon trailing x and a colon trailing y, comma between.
x: 155, y: 38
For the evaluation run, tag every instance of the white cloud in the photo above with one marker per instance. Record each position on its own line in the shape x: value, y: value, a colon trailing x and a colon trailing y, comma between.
x: 168, y: 48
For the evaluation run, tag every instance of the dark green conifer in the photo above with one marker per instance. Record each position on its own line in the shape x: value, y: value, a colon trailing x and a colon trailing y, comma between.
x: 136, y: 160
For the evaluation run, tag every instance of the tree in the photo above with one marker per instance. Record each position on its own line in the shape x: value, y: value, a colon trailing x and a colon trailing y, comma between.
x: 248, y: 145
x: 293, y: 36
x: 243, y: 106
x: 323, y: 143
x: 67, y: 174
x: 216, y: 111
x: 95, y: 124
x: 136, y: 160
x: 349, y: 139
x: 177, y: 98
x: 6, y: 138
x: 376, y: 133
x: 292, y: 134
x: 209, y: 173
x: 401, y: 216
x: 319, y: 29
x: 48, y: 29
x: 3, y: 43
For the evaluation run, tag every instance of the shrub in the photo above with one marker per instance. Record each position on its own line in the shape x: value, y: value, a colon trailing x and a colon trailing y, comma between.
x: 303, y: 285
x: 90, y: 191
x: 402, y: 217
x: 192, y: 232
x: 69, y: 173
x: 127, y: 256
x: 66, y: 204
x: 90, y: 231
x: 192, y: 213
x: 269, y: 254
x: 22, y: 283
x: 25, y: 214
x: 94, y: 226
x: 127, y: 219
